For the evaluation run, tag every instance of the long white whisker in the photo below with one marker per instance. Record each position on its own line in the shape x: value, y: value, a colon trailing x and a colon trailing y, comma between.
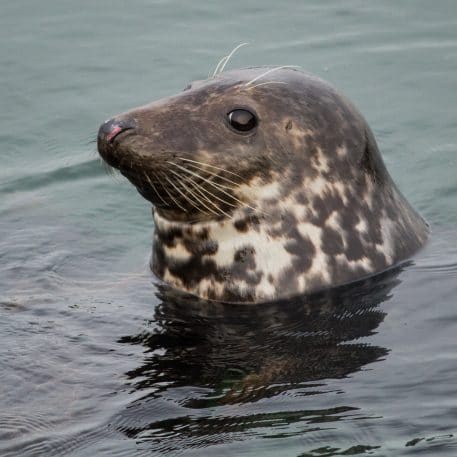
x: 217, y: 186
x: 268, y: 82
x: 192, y: 193
x: 181, y: 192
x: 109, y: 170
x: 212, y: 166
x: 230, y: 56
x: 155, y: 189
x: 223, y: 62
x: 199, y: 176
x: 215, y: 174
x: 211, y: 210
x: 218, y: 65
x: 202, y: 193
x: 173, y: 199
x: 271, y: 70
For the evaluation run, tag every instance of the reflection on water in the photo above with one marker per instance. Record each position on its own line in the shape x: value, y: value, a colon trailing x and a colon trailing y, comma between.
x: 236, y: 354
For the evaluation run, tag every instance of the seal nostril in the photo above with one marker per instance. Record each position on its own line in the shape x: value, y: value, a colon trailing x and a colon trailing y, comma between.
x: 114, y: 132
x: 113, y: 127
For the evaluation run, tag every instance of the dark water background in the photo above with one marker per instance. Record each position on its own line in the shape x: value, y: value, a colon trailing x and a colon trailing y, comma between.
x: 95, y: 360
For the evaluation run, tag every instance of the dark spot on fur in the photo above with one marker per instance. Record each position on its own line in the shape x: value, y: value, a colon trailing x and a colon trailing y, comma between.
x: 196, y: 247
x: 168, y: 237
x: 332, y: 242
x: 302, y: 250
x: 301, y: 198
x: 289, y: 225
x: 349, y: 218
x: 287, y: 281
x: 244, y: 266
x: 245, y: 255
x: 354, y: 246
x: 249, y: 222
x: 241, y: 225
x: 289, y: 125
x: 325, y: 206
x: 194, y: 270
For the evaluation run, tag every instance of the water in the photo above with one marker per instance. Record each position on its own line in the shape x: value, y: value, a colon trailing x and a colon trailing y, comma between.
x: 95, y: 360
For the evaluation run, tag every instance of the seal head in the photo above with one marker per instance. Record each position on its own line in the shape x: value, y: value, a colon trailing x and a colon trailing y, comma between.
x: 266, y: 183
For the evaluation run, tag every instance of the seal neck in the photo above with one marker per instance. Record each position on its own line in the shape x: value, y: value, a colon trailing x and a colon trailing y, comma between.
x: 163, y: 225
x: 295, y: 248
x: 216, y: 259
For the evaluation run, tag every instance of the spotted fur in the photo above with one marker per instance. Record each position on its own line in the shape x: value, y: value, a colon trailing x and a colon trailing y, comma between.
x: 304, y: 203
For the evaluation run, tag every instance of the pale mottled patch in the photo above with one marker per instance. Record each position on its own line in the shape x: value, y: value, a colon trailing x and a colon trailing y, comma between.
x: 178, y: 253
x: 256, y: 190
x: 341, y: 152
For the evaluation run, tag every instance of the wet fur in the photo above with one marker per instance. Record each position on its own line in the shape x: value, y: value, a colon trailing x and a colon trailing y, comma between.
x: 304, y: 203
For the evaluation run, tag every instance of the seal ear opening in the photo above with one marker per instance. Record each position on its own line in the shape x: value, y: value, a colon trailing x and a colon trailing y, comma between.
x: 371, y: 160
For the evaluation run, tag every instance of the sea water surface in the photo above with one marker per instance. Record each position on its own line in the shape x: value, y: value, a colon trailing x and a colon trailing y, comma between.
x: 96, y: 360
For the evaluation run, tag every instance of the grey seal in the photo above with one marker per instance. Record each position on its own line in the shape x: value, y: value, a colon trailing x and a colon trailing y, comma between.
x: 266, y: 183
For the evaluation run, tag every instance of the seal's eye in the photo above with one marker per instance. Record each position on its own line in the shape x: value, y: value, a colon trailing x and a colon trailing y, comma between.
x: 242, y: 120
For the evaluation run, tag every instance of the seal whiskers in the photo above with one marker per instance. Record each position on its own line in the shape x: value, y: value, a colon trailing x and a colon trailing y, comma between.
x: 219, y: 187
x: 202, y: 178
x: 205, y: 193
x: 155, y: 189
x: 181, y: 192
x: 210, y: 194
x: 223, y: 62
x: 174, y: 199
x: 271, y: 70
x: 199, y: 189
x: 265, y: 83
x: 212, y: 166
x: 109, y: 170
x: 217, y: 175
x: 219, y: 211
x: 189, y: 180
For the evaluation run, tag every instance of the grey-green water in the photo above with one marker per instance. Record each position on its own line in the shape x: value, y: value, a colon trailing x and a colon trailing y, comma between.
x: 94, y: 360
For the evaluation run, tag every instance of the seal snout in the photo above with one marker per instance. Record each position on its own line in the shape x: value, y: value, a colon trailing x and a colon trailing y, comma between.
x: 109, y: 136
x: 110, y: 129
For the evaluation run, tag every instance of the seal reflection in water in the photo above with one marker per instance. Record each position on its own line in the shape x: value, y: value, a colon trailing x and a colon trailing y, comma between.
x: 266, y: 183
x: 244, y: 355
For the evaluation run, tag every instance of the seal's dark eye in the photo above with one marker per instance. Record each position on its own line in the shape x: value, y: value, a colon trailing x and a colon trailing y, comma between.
x: 242, y: 120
